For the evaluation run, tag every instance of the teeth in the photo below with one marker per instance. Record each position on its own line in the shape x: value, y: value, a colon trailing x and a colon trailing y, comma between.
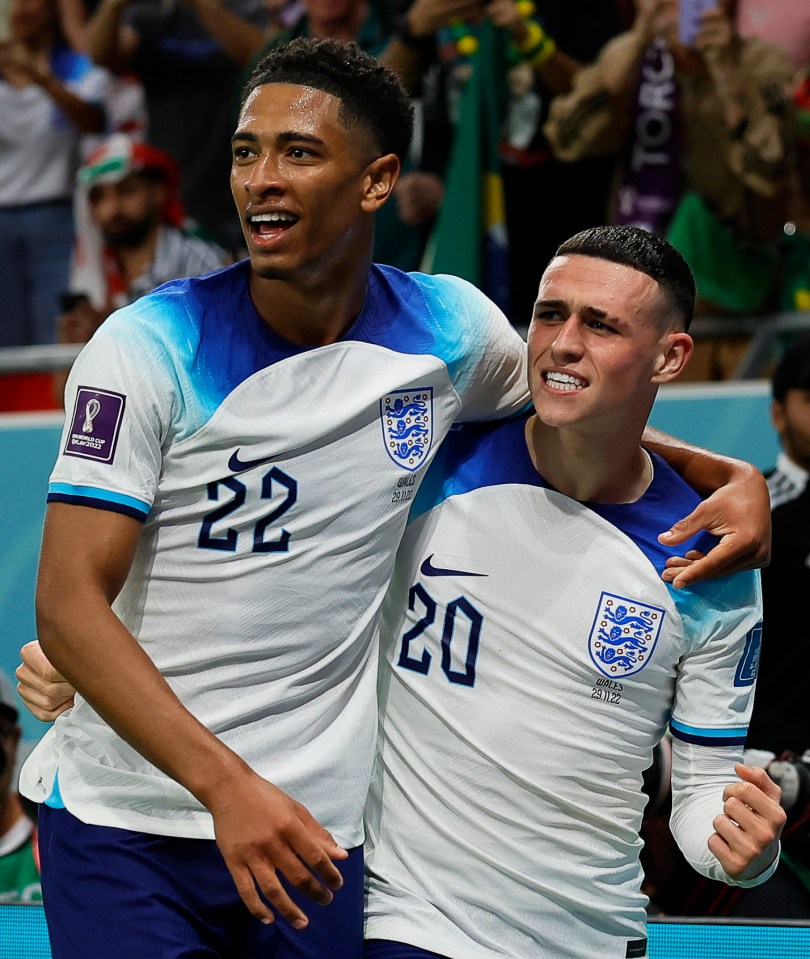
x: 273, y: 218
x: 564, y: 381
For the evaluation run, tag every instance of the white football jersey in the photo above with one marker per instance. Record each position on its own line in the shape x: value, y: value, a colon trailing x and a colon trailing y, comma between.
x: 273, y: 482
x: 531, y: 658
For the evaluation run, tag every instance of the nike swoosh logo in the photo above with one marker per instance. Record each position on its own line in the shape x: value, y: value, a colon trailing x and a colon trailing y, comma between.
x: 235, y: 465
x: 428, y: 569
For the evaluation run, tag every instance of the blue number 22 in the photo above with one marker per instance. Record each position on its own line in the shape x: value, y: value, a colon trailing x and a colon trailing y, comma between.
x: 227, y: 538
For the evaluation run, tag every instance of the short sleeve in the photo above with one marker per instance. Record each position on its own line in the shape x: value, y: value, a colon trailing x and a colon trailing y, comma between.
x: 722, y: 620
x: 119, y: 404
x: 491, y: 375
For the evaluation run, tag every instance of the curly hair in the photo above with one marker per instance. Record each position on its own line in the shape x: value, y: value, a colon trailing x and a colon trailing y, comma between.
x: 372, y: 99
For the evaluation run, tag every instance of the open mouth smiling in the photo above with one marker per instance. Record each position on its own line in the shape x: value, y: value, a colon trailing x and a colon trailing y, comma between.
x: 565, y: 382
x: 268, y: 224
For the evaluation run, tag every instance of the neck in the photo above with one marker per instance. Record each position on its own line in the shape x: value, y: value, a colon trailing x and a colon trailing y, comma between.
x: 590, y: 467
x: 314, y: 313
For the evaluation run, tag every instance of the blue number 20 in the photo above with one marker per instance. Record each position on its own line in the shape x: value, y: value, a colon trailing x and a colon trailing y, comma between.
x: 459, y: 605
x: 227, y: 539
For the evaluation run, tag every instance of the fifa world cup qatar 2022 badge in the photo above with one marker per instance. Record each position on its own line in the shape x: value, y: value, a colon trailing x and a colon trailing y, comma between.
x: 407, y: 425
x: 623, y: 635
x: 95, y: 425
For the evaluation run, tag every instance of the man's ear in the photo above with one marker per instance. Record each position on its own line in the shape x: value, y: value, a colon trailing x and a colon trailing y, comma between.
x: 381, y: 175
x: 676, y: 348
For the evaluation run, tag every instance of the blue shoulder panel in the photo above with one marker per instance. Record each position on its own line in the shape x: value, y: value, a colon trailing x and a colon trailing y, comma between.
x: 667, y: 499
x: 485, y: 454
x: 207, y: 331
x: 474, y: 456
x: 418, y: 313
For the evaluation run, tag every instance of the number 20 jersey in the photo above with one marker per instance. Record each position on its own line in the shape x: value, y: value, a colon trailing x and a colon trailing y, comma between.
x: 531, y: 658
x: 273, y: 484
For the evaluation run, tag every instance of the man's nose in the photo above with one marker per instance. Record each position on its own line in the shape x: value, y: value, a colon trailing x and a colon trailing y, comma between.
x: 264, y: 176
x: 568, y: 341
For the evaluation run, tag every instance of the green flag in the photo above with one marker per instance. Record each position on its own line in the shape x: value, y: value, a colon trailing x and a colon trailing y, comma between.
x: 469, y: 238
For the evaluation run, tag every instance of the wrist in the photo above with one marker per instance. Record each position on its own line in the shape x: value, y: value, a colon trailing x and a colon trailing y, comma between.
x: 218, y: 781
x: 42, y: 76
x: 537, y: 46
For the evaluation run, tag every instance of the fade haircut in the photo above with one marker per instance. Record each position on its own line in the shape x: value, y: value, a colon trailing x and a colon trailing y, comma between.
x: 645, y: 252
x: 372, y: 99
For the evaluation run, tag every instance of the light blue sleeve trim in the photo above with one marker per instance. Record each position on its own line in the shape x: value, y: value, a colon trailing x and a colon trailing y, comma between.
x: 91, y: 492
x: 706, y: 735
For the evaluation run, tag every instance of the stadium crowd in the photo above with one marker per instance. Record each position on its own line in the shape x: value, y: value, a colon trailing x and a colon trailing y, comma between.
x: 116, y: 118
x: 596, y: 112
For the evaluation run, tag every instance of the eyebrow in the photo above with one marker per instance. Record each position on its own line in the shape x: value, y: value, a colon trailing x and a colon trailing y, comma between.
x: 288, y: 136
x: 592, y: 312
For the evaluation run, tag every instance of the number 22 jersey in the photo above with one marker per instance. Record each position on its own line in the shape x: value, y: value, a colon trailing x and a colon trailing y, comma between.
x: 273, y: 484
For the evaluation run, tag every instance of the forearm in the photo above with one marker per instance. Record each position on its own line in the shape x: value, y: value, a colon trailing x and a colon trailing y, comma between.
x: 240, y: 39
x: 73, y: 20
x: 700, y: 776
x: 86, y: 117
x: 104, y: 39
x: 90, y: 646
x: 591, y: 118
x: 405, y: 61
x: 704, y: 470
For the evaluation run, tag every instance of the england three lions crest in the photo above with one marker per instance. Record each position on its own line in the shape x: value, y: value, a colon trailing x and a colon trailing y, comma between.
x: 623, y: 635
x: 407, y: 424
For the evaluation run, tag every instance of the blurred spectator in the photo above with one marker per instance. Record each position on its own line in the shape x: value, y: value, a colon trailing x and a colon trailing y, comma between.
x: 190, y: 84
x: 785, y: 23
x: 49, y: 96
x: 781, y: 720
x: 780, y: 723
x: 710, y: 112
x: 19, y: 873
x: 795, y: 286
x: 545, y: 200
x: 130, y: 236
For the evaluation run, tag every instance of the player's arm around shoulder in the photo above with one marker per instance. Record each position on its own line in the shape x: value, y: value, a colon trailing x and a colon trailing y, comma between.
x: 736, y: 510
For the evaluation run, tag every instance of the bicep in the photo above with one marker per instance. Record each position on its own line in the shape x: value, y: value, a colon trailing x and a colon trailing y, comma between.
x: 86, y: 553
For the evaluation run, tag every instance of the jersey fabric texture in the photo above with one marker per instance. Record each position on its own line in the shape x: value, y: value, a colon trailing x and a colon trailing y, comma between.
x: 532, y: 656
x: 273, y: 483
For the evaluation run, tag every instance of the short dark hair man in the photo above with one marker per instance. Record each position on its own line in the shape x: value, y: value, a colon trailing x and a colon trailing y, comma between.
x: 533, y: 656
x: 131, y: 234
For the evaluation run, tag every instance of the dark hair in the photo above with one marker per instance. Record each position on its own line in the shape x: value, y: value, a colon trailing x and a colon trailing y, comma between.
x: 793, y: 370
x: 645, y: 252
x: 371, y: 96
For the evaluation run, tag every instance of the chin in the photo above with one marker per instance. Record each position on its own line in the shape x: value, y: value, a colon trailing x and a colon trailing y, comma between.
x: 268, y: 271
